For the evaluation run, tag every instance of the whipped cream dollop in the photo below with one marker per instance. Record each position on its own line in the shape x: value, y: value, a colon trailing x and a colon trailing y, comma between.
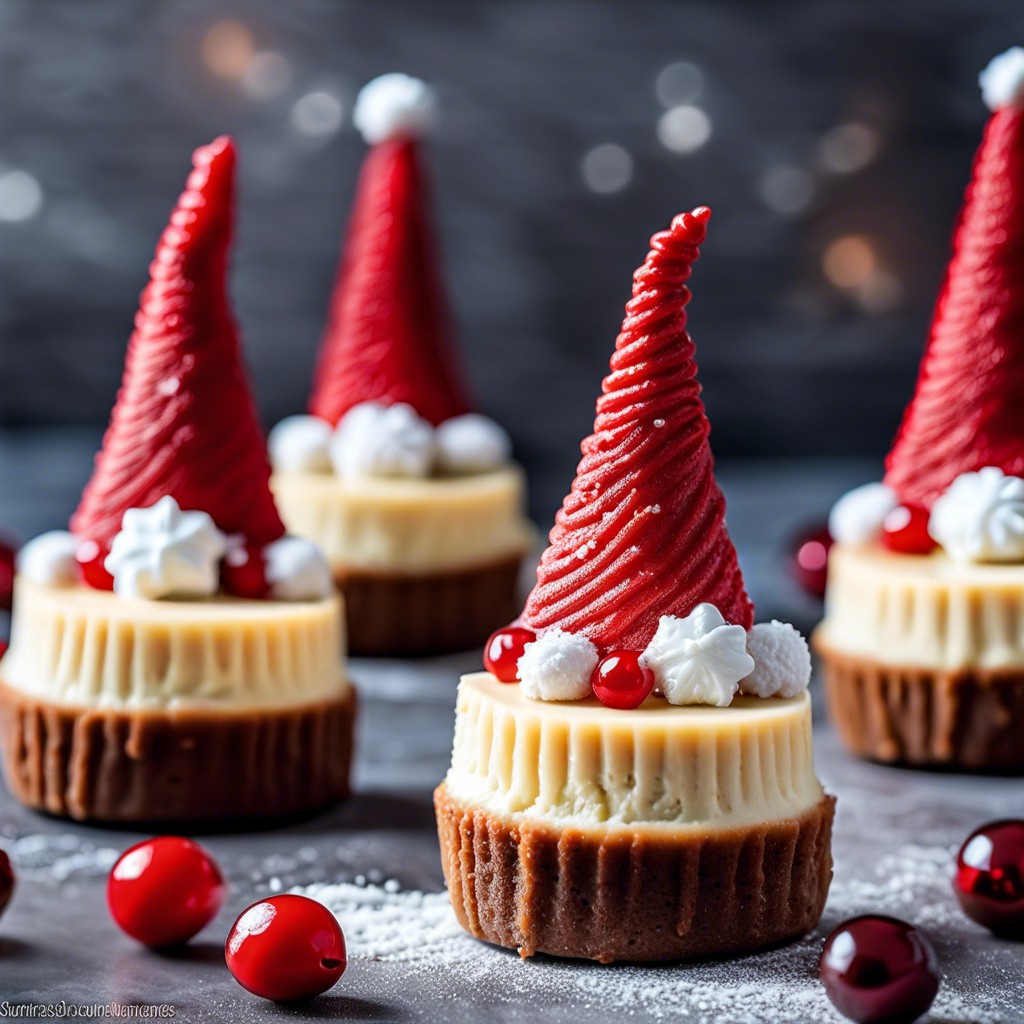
x: 296, y: 570
x: 699, y: 659
x: 391, y: 105
x: 49, y: 559
x: 373, y: 439
x: 300, y: 444
x: 471, y: 444
x: 162, y: 551
x: 557, y: 666
x: 858, y: 516
x: 980, y: 517
x: 1002, y: 81
x: 782, y: 661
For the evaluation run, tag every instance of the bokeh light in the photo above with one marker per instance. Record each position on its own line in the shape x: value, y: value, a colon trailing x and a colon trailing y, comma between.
x: 21, y: 196
x: 317, y: 114
x: 684, y: 129
x: 228, y: 48
x: 678, y: 84
x: 606, y: 168
x: 848, y: 147
x: 849, y: 261
x: 786, y: 189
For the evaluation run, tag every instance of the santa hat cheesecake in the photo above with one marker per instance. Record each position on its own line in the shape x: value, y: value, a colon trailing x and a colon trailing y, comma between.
x: 640, y: 566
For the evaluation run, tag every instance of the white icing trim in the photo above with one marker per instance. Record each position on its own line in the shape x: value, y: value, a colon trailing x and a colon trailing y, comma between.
x: 300, y: 444
x: 557, y: 666
x: 782, y: 661
x: 980, y: 517
x: 296, y: 570
x: 1002, y: 81
x: 858, y: 516
x: 49, y: 559
x: 391, y: 105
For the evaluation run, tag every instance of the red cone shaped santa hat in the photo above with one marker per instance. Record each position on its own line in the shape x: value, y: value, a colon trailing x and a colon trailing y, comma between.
x: 184, y: 423
x: 389, y: 334
x: 642, y: 532
x: 968, y: 409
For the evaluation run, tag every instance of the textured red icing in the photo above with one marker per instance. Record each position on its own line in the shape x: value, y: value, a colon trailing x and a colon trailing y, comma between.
x: 968, y: 410
x: 642, y: 532
x: 389, y: 334
x: 184, y: 423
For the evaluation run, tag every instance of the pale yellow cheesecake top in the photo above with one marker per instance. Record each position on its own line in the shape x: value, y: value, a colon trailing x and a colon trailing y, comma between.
x: 79, y: 646
x: 923, y: 611
x: 660, y: 765
x: 408, y: 526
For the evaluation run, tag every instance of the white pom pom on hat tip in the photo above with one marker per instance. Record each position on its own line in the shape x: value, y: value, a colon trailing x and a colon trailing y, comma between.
x: 1002, y: 81
x: 394, y: 105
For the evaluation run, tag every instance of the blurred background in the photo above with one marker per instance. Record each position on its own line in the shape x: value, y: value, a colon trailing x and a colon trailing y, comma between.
x: 832, y: 139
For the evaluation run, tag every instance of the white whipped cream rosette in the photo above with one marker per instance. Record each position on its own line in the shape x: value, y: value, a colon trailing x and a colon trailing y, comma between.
x: 379, y: 440
x: 980, y: 517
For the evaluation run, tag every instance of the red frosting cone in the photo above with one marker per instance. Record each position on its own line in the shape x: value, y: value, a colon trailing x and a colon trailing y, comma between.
x: 184, y: 423
x: 968, y: 410
x: 388, y: 335
x: 642, y: 533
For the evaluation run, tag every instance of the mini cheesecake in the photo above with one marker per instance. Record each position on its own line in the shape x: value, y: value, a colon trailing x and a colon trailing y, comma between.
x: 632, y: 776
x: 420, y: 510
x: 923, y: 638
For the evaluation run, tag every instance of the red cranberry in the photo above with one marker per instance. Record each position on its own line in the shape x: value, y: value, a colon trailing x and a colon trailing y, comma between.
x: 243, y: 572
x: 6, y: 880
x: 163, y: 891
x: 989, y: 880
x: 620, y: 681
x: 905, y: 530
x: 3, y: 647
x: 878, y: 970
x: 809, y: 559
x: 503, y: 651
x: 90, y: 556
x: 286, y: 948
x: 6, y: 576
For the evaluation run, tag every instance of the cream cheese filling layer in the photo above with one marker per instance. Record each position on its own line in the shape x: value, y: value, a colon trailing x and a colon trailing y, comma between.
x: 90, y: 648
x: 408, y: 526
x: 580, y: 763
x: 923, y: 611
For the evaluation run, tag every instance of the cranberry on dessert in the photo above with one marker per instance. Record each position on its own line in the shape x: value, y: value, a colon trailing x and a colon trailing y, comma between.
x: 286, y: 948
x: 905, y: 531
x: 7, y: 558
x: 163, y: 891
x: 620, y: 681
x: 90, y: 557
x: 6, y: 880
x: 503, y: 651
x: 809, y: 559
x: 243, y: 572
x: 879, y: 970
x: 989, y: 881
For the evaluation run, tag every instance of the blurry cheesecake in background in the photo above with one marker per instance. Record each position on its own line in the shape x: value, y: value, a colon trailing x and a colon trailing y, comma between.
x: 413, y: 497
x: 632, y: 777
x: 923, y: 637
x: 176, y: 656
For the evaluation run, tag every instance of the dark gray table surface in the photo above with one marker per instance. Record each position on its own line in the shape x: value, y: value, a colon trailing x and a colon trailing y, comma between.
x: 895, y: 833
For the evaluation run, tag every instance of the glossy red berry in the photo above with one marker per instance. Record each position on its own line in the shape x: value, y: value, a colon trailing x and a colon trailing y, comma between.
x: 503, y: 651
x: 905, y: 530
x: 7, y: 557
x: 6, y: 880
x: 286, y: 948
x: 243, y: 572
x: 3, y: 647
x: 989, y: 881
x: 879, y: 970
x: 809, y: 559
x: 89, y: 557
x: 620, y: 681
x: 164, y: 890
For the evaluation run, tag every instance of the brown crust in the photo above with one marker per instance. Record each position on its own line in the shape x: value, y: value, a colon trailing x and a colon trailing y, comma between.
x: 969, y: 719
x: 181, y: 766
x: 431, y: 614
x: 620, y: 894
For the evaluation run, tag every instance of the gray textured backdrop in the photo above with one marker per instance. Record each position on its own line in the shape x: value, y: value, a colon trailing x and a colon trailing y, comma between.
x: 102, y: 100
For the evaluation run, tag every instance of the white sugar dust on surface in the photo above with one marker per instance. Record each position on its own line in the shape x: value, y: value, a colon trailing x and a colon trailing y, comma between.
x: 417, y: 933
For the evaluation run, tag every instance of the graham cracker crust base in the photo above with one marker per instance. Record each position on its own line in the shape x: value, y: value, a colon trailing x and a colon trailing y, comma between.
x: 432, y: 614
x: 619, y: 894
x: 968, y: 719
x: 182, y: 766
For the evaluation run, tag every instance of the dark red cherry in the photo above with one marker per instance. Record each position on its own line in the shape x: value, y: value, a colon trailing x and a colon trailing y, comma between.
x: 503, y: 651
x: 989, y: 880
x: 808, y: 559
x: 620, y: 681
x: 905, y: 530
x: 879, y: 970
x: 243, y: 572
x: 90, y: 557
x: 7, y: 554
x: 6, y: 880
